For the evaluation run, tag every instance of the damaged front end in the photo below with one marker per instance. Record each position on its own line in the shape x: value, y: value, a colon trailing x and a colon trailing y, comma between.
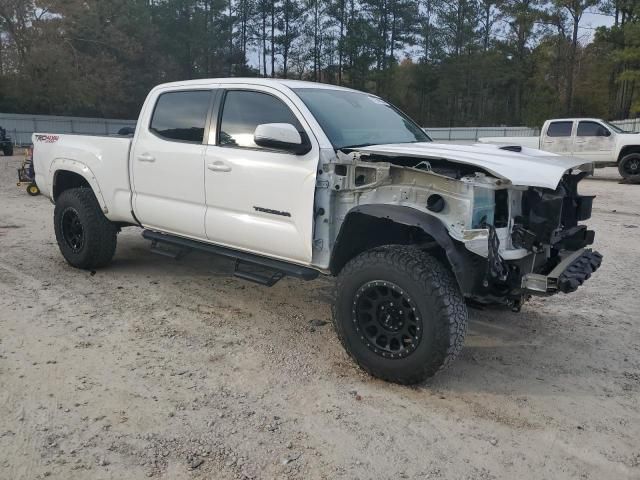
x: 505, y: 242
x: 545, y: 224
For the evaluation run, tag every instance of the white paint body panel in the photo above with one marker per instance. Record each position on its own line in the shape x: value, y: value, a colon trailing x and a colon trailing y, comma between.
x: 527, y: 168
x: 166, y: 177
x: 241, y: 182
x: 102, y: 161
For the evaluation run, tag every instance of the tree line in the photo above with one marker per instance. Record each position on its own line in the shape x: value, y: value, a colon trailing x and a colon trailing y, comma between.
x: 444, y: 62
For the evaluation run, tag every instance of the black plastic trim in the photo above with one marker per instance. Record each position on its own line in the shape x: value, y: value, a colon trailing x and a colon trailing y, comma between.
x: 460, y: 259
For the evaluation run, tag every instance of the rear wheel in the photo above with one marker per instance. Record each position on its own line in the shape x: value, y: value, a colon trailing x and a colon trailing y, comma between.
x: 399, y: 313
x: 629, y: 166
x: 87, y: 239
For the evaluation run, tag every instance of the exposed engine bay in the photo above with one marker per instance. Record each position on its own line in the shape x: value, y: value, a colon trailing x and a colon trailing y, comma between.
x: 511, y: 241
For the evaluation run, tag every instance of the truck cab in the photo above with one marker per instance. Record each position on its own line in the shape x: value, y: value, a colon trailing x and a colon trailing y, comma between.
x: 591, y: 139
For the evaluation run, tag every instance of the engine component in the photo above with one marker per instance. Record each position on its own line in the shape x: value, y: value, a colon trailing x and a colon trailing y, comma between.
x: 496, y: 267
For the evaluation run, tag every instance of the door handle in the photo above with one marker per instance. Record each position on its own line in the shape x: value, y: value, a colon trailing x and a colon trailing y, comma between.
x: 219, y: 167
x: 580, y: 141
x: 145, y: 157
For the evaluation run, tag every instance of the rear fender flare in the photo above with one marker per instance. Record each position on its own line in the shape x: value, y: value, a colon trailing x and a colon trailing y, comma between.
x: 66, y: 164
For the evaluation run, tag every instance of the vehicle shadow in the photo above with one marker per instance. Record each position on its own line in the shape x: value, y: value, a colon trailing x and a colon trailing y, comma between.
x: 505, y: 353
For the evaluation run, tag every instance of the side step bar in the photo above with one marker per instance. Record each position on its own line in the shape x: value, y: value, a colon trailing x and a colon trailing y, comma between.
x: 271, y: 270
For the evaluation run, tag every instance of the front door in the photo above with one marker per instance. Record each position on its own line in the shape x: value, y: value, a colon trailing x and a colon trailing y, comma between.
x: 593, y: 142
x: 259, y: 199
x: 167, y: 164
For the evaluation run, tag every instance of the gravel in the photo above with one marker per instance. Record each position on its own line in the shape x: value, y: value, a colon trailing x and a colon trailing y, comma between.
x: 187, y: 372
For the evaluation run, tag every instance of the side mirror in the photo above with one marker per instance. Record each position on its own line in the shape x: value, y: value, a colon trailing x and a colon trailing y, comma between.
x: 606, y: 132
x: 281, y: 136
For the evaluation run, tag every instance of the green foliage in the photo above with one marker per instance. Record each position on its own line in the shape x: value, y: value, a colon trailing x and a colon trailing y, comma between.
x: 445, y: 62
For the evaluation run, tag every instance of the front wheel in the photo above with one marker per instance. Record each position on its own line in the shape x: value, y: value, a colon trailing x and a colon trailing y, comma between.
x: 87, y: 239
x: 399, y: 313
x: 629, y: 166
x: 8, y: 151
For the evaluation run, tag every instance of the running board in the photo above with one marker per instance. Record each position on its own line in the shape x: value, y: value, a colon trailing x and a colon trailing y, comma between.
x: 275, y: 269
x: 169, y: 251
x: 264, y: 276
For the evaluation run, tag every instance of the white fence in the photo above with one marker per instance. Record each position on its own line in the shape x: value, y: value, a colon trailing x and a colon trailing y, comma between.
x: 471, y: 134
x: 630, y: 125
x: 21, y: 127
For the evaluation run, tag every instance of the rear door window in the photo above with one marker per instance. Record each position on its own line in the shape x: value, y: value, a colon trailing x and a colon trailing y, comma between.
x: 181, y: 116
x: 560, y: 129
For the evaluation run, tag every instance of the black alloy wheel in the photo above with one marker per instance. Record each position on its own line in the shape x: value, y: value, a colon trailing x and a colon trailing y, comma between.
x: 387, y: 319
x: 72, y: 229
x: 629, y: 166
x: 87, y: 239
x: 632, y: 167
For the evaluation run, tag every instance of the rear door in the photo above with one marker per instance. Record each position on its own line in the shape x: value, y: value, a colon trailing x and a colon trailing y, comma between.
x: 558, y: 137
x: 259, y: 199
x: 167, y: 164
x: 593, y: 142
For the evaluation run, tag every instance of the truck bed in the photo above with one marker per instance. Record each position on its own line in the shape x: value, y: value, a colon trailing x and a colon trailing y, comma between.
x: 105, y: 158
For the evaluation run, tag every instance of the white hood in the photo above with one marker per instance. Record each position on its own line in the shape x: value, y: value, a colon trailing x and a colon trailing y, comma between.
x: 530, y: 167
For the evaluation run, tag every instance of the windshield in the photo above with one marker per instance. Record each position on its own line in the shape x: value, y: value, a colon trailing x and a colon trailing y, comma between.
x: 615, y: 128
x: 354, y: 119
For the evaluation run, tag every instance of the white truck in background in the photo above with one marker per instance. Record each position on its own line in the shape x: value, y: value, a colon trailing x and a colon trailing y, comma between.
x: 592, y: 139
x: 300, y: 179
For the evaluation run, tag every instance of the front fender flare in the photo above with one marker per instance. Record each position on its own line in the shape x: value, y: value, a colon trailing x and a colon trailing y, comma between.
x: 60, y: 164
x: 460, y: 259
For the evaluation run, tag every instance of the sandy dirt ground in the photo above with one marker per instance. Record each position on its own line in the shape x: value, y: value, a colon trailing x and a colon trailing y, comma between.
x: 177, y: 370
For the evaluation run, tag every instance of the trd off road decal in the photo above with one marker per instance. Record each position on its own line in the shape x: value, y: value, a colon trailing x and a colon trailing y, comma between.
x: 47, y: 138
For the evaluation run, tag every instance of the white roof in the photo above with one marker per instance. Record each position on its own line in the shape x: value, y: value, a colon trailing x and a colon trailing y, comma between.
x: 587, y: 119
x: 268, y: 82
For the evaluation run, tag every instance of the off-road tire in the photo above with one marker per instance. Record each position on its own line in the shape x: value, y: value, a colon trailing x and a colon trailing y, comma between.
x: 100, y: 235
x: 8, y: 151
x: 437, y: 297
x: 623, y: 166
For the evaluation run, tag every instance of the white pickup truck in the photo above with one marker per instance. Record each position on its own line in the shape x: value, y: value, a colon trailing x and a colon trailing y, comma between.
x: 300, y: 179
x: 592, y: 139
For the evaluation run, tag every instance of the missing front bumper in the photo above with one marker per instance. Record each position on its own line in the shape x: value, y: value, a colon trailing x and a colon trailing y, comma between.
x: 567, y: 276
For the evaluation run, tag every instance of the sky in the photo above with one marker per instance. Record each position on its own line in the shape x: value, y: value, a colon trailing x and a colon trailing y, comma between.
x: 591, y: 21
x: 588, y: 24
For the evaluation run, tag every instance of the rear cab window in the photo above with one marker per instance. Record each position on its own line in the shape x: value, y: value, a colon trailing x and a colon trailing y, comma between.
x: 181, y: 116
x: 560, y: 129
